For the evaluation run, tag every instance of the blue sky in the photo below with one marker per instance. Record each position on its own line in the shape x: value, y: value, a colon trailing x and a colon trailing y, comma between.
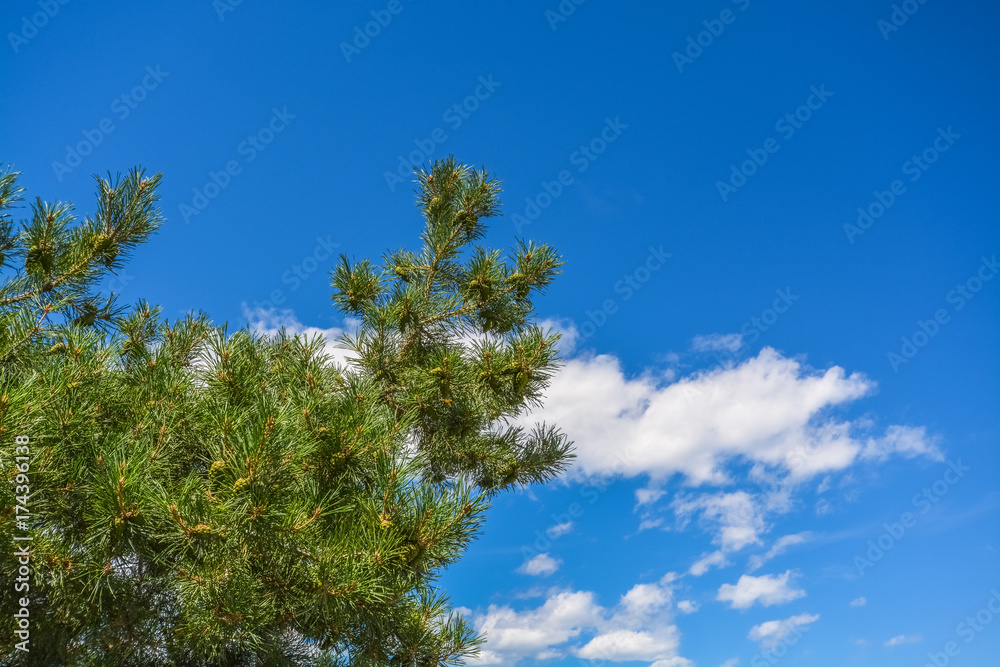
x: 763, y: 381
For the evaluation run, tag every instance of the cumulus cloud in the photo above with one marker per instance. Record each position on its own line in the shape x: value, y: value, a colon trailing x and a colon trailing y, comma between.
x: 769, y: 420
x: 687, y: 606
x: 541, y: 565
x: 572, y: 623
x: 859, y: 602
x: 563, y: 616
x: 769, y: 410
x: 642, y: 598
x: 621, y: 645
x: 779, y: 547
x: 768, y: 590
x: 769, y: 634
x: 732, y: 662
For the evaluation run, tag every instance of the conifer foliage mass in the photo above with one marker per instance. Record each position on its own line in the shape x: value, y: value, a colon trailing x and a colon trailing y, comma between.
x: 207, y: 497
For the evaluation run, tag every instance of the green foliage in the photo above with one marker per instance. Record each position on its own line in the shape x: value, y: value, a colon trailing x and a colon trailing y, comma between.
x: 60, y: 262
x: 446, y: 337
x: 204, y: 497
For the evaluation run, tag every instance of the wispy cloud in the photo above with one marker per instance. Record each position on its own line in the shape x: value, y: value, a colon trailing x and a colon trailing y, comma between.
x: 779, y: 547
x: 707, y: 562
x: 772, y: 632
x: 717, y: 343
x: 904, y: 639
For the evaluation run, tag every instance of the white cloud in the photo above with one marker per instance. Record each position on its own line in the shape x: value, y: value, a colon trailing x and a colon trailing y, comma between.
x: 771, y: 413
x: 562, y: 617
x: 559, y: 529
x: 569, y: 623
x: 768, y: 410
x: 859, y: 602
x: 621, y: 645
x: 904, y: 639
x: 905, y: 441
x: 707, y: 561
x: 644, y: 598
x: 648, y: 496
x: 565, y: 328
x: 687, y: 606
x: 673, y: 662
x: 732, y: 662
x: 825, y: 485
x: 768, y: 590
x: 486, y: 658
x: 541, y: 565
x: 647, y: 523
x: 717, y: 343
x: 772, y: 632
x: 779, y: 547
x: 735, y: 516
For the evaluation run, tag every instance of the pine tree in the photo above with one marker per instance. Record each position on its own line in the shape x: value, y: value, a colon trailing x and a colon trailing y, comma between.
x: 206, y: 497
x: 62, y: 262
